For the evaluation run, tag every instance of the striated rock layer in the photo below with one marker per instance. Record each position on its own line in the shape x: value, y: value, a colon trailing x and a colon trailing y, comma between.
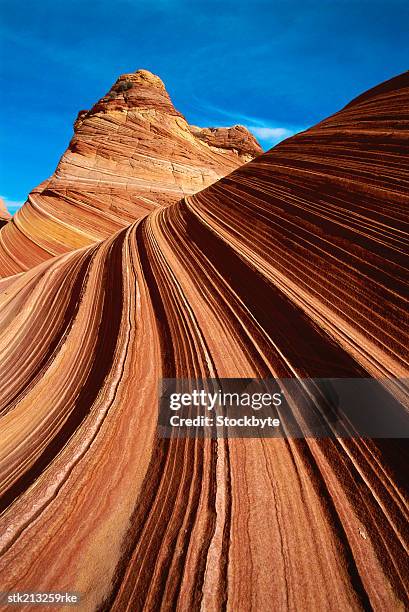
x: 4, y: 213
x: 132, y: 152
x: 294, y: 265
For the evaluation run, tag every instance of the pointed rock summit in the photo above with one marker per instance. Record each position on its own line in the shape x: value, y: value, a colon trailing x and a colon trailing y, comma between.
x: 130, y: 153
x: 140, y: 90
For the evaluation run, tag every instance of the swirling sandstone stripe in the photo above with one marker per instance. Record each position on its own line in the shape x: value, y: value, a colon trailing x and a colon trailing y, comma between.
x: 294, y: 265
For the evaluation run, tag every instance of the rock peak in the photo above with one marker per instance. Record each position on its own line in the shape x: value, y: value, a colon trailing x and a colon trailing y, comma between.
x: 132, y: 152
x: 144, y: 92
x: 140, y: 90
x: 144, y: 78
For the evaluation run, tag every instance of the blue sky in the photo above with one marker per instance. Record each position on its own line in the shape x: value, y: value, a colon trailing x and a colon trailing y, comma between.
x: 276, y: 66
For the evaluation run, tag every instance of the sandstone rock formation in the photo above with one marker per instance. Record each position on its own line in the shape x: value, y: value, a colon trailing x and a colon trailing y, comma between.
x: 4, y: 213
x: 294, y: 265
x: 129, y: 154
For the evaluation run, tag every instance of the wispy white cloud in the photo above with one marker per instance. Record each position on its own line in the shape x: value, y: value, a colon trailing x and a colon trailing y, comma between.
x: 11, y: 205
x: 233, y: 116
x: 270, y: 134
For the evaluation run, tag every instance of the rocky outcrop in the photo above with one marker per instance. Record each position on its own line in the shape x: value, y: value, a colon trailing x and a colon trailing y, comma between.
x: 236, y: 139
x: 132, y: 152
x: 295, y: 265
x: 4, y: 213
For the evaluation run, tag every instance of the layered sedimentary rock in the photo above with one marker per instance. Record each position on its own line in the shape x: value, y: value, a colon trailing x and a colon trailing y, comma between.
x: 132, y: 152
x: 4, y: 213
x: 294, y: 265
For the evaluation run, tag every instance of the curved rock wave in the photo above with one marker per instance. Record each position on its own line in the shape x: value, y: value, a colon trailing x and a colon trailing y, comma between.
x: 294, y: 265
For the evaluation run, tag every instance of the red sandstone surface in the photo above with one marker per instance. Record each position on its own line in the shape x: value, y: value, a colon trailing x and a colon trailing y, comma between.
x: 294, y: 265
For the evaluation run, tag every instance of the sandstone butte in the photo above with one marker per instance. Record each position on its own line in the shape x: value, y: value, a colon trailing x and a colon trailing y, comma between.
x: 295, y: 265
x: 4, y: 213
x: 132, y: 152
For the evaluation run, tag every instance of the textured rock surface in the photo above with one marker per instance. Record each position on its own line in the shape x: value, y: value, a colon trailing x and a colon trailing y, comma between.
x: 294, y: 265
x: 129, y: 154
x: 4, y: 213
x: 235, y: 139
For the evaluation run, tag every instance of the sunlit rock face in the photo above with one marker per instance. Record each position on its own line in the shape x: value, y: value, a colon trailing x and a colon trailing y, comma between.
x: 4, y: 213
x: 294, y: 265
x: 132, y: 152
